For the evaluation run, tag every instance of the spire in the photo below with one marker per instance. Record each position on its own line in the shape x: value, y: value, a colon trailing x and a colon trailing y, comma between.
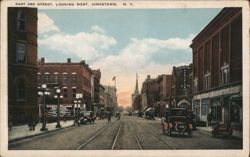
x: 136, y: 85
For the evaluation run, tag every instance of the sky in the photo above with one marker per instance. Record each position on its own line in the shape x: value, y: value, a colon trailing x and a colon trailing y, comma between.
x: 122, y: 42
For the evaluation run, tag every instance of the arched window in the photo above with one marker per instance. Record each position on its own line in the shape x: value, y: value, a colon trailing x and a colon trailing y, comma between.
x: 21, y: 90
x: 20, y: 20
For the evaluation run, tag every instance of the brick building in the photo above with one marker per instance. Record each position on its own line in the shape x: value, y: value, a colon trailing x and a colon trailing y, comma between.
x: 71, y: 78
x: 164, y: 90
x: 22, y: 65
x: 217, y: 69
x: 181, y: 87
x: 149, y: 92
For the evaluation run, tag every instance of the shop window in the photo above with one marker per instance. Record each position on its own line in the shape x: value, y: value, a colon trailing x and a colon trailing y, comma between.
x: 216, y: 113
x: 21, y: 52
x: 235, y: 113
x: 20, y: 20
x: 21, y: 90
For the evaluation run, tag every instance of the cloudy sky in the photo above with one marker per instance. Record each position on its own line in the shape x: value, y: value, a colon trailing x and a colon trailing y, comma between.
x: 122, y: 42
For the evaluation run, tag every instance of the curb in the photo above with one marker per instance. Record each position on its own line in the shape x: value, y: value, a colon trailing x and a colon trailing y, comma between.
x: 210, y: 133
x: 30, y: 136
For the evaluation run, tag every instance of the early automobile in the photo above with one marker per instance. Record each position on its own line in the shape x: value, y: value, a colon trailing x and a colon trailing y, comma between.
x: 177, y: 120
x: 87, y: 117
x: 149, y: 113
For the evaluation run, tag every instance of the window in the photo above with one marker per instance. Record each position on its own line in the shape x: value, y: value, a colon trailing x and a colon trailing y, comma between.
x: 207, y: 81
x: 56, y: 78
x: 74, y: 78
x: 46, y: 78
x: 64, y: 79
x: 65, y: 93
x: 38, y: 77
x: 21, y: 90
x: 74, y: 91
x: 195, y: 85
x: 21, y: 52
x: 224, y: 74
x: 20, y: 20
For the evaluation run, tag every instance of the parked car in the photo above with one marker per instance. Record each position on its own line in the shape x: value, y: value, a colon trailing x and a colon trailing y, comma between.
x: 178, y: 120
x: 87, y: 117
x: 149, y: 113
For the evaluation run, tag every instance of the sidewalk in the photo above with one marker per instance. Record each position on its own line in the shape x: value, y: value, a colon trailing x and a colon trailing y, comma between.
x: 208, y: 130
x: 21, y: 132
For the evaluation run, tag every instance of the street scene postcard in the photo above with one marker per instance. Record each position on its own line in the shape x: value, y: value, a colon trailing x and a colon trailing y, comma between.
x: 124, y: 78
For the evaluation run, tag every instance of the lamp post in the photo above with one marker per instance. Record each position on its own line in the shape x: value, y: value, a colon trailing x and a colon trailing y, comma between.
x: 58, y: 97
x: 43, y: 91
x: 77, y: 104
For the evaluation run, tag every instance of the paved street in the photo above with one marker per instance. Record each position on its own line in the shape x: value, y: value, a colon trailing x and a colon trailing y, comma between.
x: 129, y: 132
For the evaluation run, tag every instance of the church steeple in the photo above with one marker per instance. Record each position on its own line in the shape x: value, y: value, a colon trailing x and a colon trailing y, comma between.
x: 136, y: 86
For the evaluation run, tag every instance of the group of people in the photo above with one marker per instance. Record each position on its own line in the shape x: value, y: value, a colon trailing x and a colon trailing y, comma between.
x: 109, y: 115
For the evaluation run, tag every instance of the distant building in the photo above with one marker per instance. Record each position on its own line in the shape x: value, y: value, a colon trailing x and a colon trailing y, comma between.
x: 110, y: 98
x: 71, y: 78
x: 149, y: 92
x: 101, y: 94
x: 164, y: 88
x: 22, y: 65
x: 217, y: 69
x: 181, y: 87
x: 136, y: 93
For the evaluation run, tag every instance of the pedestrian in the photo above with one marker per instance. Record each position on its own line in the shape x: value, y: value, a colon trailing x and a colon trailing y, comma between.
x: 109, y: 117
x: 119, y: 116
x: 209, y: 118
x: 31, y: 122
x: 163, y: 125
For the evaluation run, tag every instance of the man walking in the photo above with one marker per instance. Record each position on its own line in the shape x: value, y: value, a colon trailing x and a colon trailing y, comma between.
x: 109, y: 117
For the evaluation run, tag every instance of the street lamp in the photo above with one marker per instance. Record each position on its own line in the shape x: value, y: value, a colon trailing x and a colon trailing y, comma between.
x: 43, y: 92
x: 58, y: 97
x: 77, y: 104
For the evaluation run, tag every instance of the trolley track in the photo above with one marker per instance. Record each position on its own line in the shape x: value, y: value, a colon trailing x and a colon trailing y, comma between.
x: 94, y: 136
x: 154, y: 134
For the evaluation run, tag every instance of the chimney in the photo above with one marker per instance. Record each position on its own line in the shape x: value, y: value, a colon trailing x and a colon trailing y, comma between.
x: 148, y: 77
x: 82, y: 61
x: 69, y: 60
x: 42, y: 60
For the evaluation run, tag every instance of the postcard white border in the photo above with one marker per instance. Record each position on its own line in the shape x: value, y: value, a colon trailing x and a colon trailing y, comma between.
x: 147, y: 153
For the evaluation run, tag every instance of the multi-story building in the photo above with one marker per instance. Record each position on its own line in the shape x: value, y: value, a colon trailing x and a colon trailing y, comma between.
x: 71, y: 78
x: 217, y: 69
x: 164, y: 88
x: 181, y: 87
x: 149, y: 92
x: 22, y: 65
x: 110, y: 98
